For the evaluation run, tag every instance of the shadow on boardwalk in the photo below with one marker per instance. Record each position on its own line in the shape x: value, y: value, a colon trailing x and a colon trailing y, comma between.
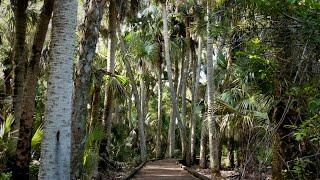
x: 163, y: 169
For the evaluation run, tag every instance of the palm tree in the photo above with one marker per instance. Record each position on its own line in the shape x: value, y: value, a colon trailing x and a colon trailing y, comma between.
x: 203, y: 145
x: 23, y: 154
x: 159, y: 78
x: 18, y: 58
x: 143, y: 147
x: 108, y: 101
x: 56, y: 142
x: 214, y: 136
x: 195, y: 87
x: 94, y: 10
x: 174, y: 102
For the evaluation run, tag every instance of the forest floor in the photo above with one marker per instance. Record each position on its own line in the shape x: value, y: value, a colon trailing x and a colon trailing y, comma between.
x: 163, y: 169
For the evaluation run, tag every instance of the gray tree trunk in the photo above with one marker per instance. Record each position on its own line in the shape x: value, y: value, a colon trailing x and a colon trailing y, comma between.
x: 94, y: 11
x: 142, y: 104
x: 56, y: 142
x: 143, y: 147
x: 108, y: 100
x: 214, y: 131
x: 174, y: 103
x: 159, y: 125
x: 112, y: 44
x: 194, y: 115
x: 203, y: 146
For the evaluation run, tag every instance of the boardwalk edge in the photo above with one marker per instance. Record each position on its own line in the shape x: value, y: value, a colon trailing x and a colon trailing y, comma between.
x: 193, y: 172
x: 134, y: 171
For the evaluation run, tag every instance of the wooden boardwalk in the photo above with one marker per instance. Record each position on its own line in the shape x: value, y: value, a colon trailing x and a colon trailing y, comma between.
x: 163, y: 169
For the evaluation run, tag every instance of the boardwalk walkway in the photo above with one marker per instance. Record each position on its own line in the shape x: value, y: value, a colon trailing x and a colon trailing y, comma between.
x: 166, y: 169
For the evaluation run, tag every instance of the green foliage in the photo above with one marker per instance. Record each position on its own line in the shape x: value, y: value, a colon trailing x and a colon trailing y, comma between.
x: 91, y: 151
x: 117, y: 85
x: 255, y: 67
x: 309, y: 129
x: 6, y: 141
x: 301, y: 168
x: 5, y: 176
x: 37, y: 137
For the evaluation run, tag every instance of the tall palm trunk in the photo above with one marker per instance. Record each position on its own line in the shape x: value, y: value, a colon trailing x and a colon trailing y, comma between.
x: 185, y: 72
x: 94, y: 117
x: 143, y: 147
x: 95, y: 107
x: 172, y: 124
x: 174, y: 103
x: 142, y: 100
x: 108, y: 102
x: 94, y: 114
x: 203, y: 146
x: 214, y: 136
x: 172, y: 134
x: 159, y: 125
x: 23, y: 154
x: 94, y: 11
x: 19, y: 59
x: 196, y: 78
x: 56, y: 142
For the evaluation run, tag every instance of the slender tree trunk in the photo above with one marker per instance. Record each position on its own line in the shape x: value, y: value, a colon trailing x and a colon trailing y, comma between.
x: 174, y: 112
x: 203, y: 146
x: 176, y: 74
x: 194, y: 115
x: 175, y: 109
x: 108, y: 103
x: 7, y: 76
x: 94, y: 108
x: 95, y: 120
x: 159, y: 125
x: 94, y: 11
x: 19, y: 60
x: 172, y: 134
x: 143, y: 147
x: 95, y: 115
x: 142, y: 103
x: 129, y: 111
x: 214, y: 131
x: 172, y: 125
x: 184, y: 75
x: 230, y: 148
x: 108, y: 100
x: 23, y: 154
x: 56, y: 142
x: 277, y: 158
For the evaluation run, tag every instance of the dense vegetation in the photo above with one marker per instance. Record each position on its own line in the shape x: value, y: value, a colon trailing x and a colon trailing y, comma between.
x: 89, y: 87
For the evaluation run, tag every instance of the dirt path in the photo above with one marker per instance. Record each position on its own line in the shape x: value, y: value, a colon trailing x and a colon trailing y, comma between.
x: 163, y: 169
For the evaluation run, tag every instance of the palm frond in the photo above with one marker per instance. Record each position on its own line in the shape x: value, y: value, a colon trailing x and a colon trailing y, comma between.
x: 36, y: 138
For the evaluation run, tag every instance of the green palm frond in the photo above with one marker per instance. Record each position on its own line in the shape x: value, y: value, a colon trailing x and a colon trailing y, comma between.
x: 8, y: 123
x: 36, y: 138
x: 117, y: 84
x: 140, y: 47
x: 223, y: 107
x: 96, y: 135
